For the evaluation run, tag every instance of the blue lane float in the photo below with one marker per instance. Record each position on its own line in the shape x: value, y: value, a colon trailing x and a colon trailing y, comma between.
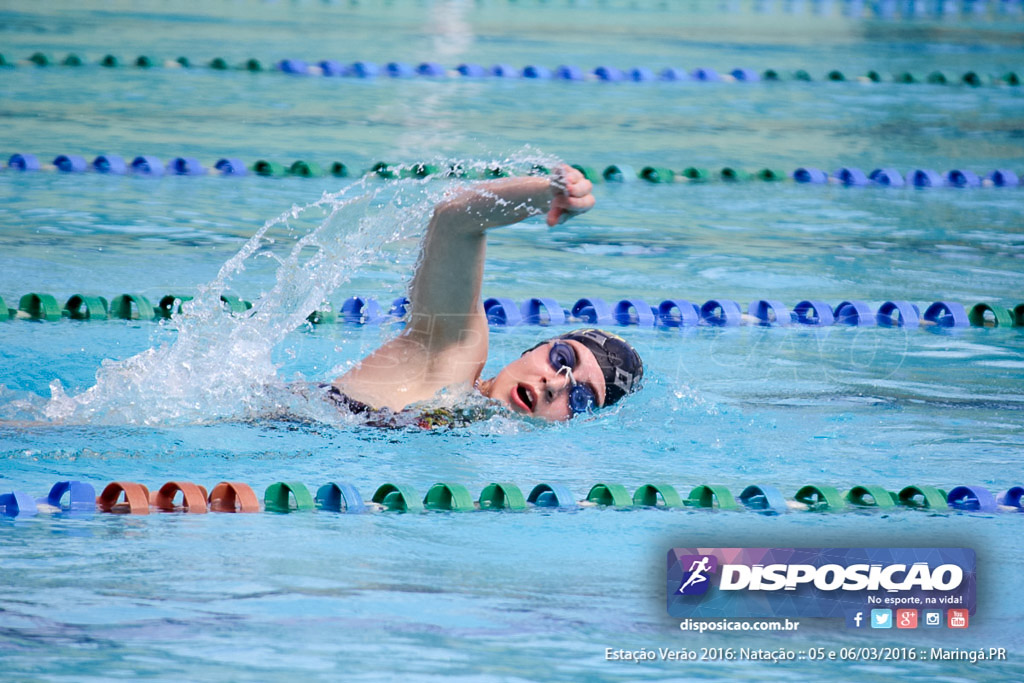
x: 110, y: 163
x: 504, y: 71
x: 1003, y: 178
x: 552, y: 496
x: 502, y: 312
x: 293, y: 66
x: 23, y: 162
x: 361, y: 311
x: 766, y: 499
x: 745, y: 75
x: 678, y: 313
x: 339, y: 497
x: 234, y: 167
x: 471, y: 71
x: 70, y: 163
x: 81, y: 497
x: 147, y: 166
x: 1012, y: 497
x: 641, y: 75
x: 972, y: 499
x: 706, y: 75
x: 947, y: 314
x: 332, y: 68
x: 887, y: 177
x: 855, y: 313
x: 923, y: 177
x: 17, y: 504
x: 542, y: 311
x: 536, y: 72
x: 186, y: 166
x: 634, y: 312
x: 364, y: 70
x: 593, y: 312
x: 770, y: 312
x: 815, y: 313
x: 567, y: 72
x: 673, y: 74
x: 431, y: 70
x: 959, y: 178
x: 399, y: 70
x: 609, y: 73
x: 811, y: 175
x: 851, y: 177
x: 721, y: 313
x: 898, y: 314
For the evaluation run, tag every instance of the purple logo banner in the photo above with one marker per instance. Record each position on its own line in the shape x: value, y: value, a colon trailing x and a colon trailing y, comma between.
x: 817, y: 582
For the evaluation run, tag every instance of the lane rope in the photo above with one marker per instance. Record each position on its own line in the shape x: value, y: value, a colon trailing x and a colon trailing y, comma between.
x: 846, y: 176
x: 77, y: 498
x: 547, y: 312
x: 330, y: 68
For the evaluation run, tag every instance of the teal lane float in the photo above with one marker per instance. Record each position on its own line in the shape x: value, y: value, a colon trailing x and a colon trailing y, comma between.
x: 126, y: 497
x: 846, y: 176
x: 546, y: 311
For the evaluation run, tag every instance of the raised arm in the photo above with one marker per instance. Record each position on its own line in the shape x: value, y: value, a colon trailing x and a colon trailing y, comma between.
x: 445, y: 339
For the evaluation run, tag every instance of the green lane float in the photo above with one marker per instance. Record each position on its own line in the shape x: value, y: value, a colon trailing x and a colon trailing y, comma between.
x: 657, y: 495
x: 984, y: 315
x: 871, y: 497
x: 39, y: 306
x: 820, y: 498
x: 450, y: 497
x: 696, y: 175
x: 131, y: 307
x: 306, y: 169
x: 287, y: 496
x: 170, y: 305
x: 610, y: 494
x: 81, y: 307
x: 655, y: 174
x: 502, y: 496
x: 269, y: 169
x: 397, y: 498
x: 711, y: 496
x: 922, y: 497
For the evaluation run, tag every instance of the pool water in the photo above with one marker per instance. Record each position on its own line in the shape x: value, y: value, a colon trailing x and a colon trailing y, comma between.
x: 504, y: 596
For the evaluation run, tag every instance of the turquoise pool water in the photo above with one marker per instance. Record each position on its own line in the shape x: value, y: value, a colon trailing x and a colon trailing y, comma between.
x: 531, y: 596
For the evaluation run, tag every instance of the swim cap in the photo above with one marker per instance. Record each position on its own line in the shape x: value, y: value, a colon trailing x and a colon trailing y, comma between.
x: 620, y: 363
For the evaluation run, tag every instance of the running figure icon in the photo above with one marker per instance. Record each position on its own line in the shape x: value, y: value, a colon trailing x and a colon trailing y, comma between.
x: 697, y: 570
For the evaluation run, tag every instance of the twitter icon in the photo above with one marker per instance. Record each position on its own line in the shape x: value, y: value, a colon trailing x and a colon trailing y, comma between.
x: 881, y: 618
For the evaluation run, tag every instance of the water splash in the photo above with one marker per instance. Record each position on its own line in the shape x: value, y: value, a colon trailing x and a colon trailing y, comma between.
x: 217, y: 365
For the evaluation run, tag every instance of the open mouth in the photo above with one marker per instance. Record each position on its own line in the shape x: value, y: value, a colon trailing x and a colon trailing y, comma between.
x: 522, y: 397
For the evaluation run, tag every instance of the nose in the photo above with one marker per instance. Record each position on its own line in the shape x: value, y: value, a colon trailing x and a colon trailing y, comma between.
x: 556, y: 386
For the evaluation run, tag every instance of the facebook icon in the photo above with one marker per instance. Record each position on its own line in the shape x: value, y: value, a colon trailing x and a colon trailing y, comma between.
x: 855, y: 619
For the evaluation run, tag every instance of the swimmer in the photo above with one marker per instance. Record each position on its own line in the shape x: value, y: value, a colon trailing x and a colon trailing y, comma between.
x: 444, y: 343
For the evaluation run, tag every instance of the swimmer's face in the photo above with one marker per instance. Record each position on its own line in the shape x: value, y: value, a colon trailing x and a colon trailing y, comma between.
x: 533, y: 386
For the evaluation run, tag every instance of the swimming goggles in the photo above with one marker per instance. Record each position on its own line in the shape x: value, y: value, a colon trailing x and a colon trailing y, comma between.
x: 563, y: 359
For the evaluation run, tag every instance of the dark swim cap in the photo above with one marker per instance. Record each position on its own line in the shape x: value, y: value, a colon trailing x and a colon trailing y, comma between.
x: 620, y: 363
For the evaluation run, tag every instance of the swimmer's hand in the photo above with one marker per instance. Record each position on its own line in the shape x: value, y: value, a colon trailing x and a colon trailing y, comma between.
x: 572, y: 195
